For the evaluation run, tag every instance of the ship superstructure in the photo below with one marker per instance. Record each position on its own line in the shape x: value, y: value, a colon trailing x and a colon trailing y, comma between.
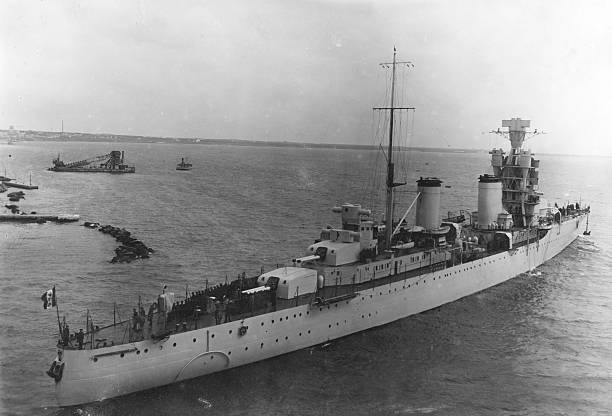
x: 362, y: 274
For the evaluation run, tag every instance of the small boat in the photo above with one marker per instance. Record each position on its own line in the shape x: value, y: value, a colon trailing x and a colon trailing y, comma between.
x: 184, y: 165
x: 22, y: 185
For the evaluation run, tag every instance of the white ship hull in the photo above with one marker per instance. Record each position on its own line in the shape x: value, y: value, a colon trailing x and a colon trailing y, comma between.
x: 148, y: 364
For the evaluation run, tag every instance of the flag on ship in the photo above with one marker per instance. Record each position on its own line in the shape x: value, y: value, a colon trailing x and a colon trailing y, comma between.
x: 48, y: 298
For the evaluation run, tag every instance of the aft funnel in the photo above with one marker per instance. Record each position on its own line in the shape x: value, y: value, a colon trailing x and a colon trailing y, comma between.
x: 489, y: 200
x: 428, y: 203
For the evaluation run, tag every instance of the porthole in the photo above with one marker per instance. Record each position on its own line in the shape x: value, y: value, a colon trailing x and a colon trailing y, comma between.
x: 262, y: 324
x: 300, y: 334
x: 95, y: 359
x: 329, y: 325
x: 286, y: 338
x: 307, y: 312
x: 281, y: 319
x: 212, y: 336
x: 174, y: 345
x: 276, y: 339
x: 122, y: 355
x: 294, y: 315
x: 212, y: 356
x: 246, y: 348
x: 272, y: 320
x: 261, y: 345
x: 194, y: 340
x: 300, y: 313
x: 309, y: 331
x: 229, y: 353
x: 230, y: 331
x: 137, y: 352
x: 369, y: 314
x: 146, y: 350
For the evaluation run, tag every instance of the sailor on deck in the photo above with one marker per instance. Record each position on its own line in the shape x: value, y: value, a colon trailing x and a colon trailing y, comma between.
x: 218, y: 307
x: 80, y: 336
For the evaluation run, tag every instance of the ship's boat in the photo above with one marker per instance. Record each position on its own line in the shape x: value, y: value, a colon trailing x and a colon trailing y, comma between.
x: 359, y: 275
x: 183, y: 165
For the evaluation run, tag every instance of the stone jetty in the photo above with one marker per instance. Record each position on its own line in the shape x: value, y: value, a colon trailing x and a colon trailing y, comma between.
x: 130, y: 249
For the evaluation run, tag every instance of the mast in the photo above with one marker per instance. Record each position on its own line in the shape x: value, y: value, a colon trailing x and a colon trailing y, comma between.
x: 390, y: 166
x: 389, y: 202
x: 518, y: 172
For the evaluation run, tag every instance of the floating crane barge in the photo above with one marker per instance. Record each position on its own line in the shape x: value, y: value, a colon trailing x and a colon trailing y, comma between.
x: 109, y: 163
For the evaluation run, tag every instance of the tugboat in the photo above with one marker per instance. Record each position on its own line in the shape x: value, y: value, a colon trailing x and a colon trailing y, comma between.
x: 359, y: 275
x: 184, y: 165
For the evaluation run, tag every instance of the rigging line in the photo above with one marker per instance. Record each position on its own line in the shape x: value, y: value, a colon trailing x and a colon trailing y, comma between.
x: 408, y: 140
x: 369, y: 162
x: 405, y: 214
x: 372, y: 162
x: 409, y: 153
x: 406, y: 86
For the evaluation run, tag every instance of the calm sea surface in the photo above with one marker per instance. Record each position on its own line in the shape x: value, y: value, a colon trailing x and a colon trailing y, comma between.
x: 538, y: 344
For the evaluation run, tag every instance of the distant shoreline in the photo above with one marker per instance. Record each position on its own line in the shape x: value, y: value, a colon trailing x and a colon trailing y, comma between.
x: 47, y: 136
x: 69, y: 137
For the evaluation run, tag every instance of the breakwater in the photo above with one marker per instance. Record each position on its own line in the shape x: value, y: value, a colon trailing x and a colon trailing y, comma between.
x: 130, y: 249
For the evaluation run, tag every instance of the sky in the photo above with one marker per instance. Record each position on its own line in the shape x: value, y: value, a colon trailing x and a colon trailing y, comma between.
x: 307, y: 71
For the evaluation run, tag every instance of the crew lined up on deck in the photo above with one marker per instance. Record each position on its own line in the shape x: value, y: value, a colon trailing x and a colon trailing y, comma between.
x: 214, y: 305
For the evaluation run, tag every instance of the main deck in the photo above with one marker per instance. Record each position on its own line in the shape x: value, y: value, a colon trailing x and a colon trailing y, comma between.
x: 243, y: 298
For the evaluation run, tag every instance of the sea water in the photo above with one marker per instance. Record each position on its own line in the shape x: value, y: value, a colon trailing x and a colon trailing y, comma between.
x: 538, y: 344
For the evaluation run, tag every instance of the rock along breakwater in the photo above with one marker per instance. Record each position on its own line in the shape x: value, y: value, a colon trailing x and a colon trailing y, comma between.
x: 130, y: 249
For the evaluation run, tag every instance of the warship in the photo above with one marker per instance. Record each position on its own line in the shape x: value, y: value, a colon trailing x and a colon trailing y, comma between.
x: 360, y: 275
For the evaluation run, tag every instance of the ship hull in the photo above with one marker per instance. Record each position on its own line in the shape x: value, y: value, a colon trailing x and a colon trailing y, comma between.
x: 93, y: 375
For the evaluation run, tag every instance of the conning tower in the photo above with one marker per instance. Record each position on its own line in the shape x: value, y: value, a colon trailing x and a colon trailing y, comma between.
x: 428, y: 203
x: 518, y: 173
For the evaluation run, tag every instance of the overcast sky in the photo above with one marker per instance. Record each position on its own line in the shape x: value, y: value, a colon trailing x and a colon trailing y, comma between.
x: 308, y: 70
